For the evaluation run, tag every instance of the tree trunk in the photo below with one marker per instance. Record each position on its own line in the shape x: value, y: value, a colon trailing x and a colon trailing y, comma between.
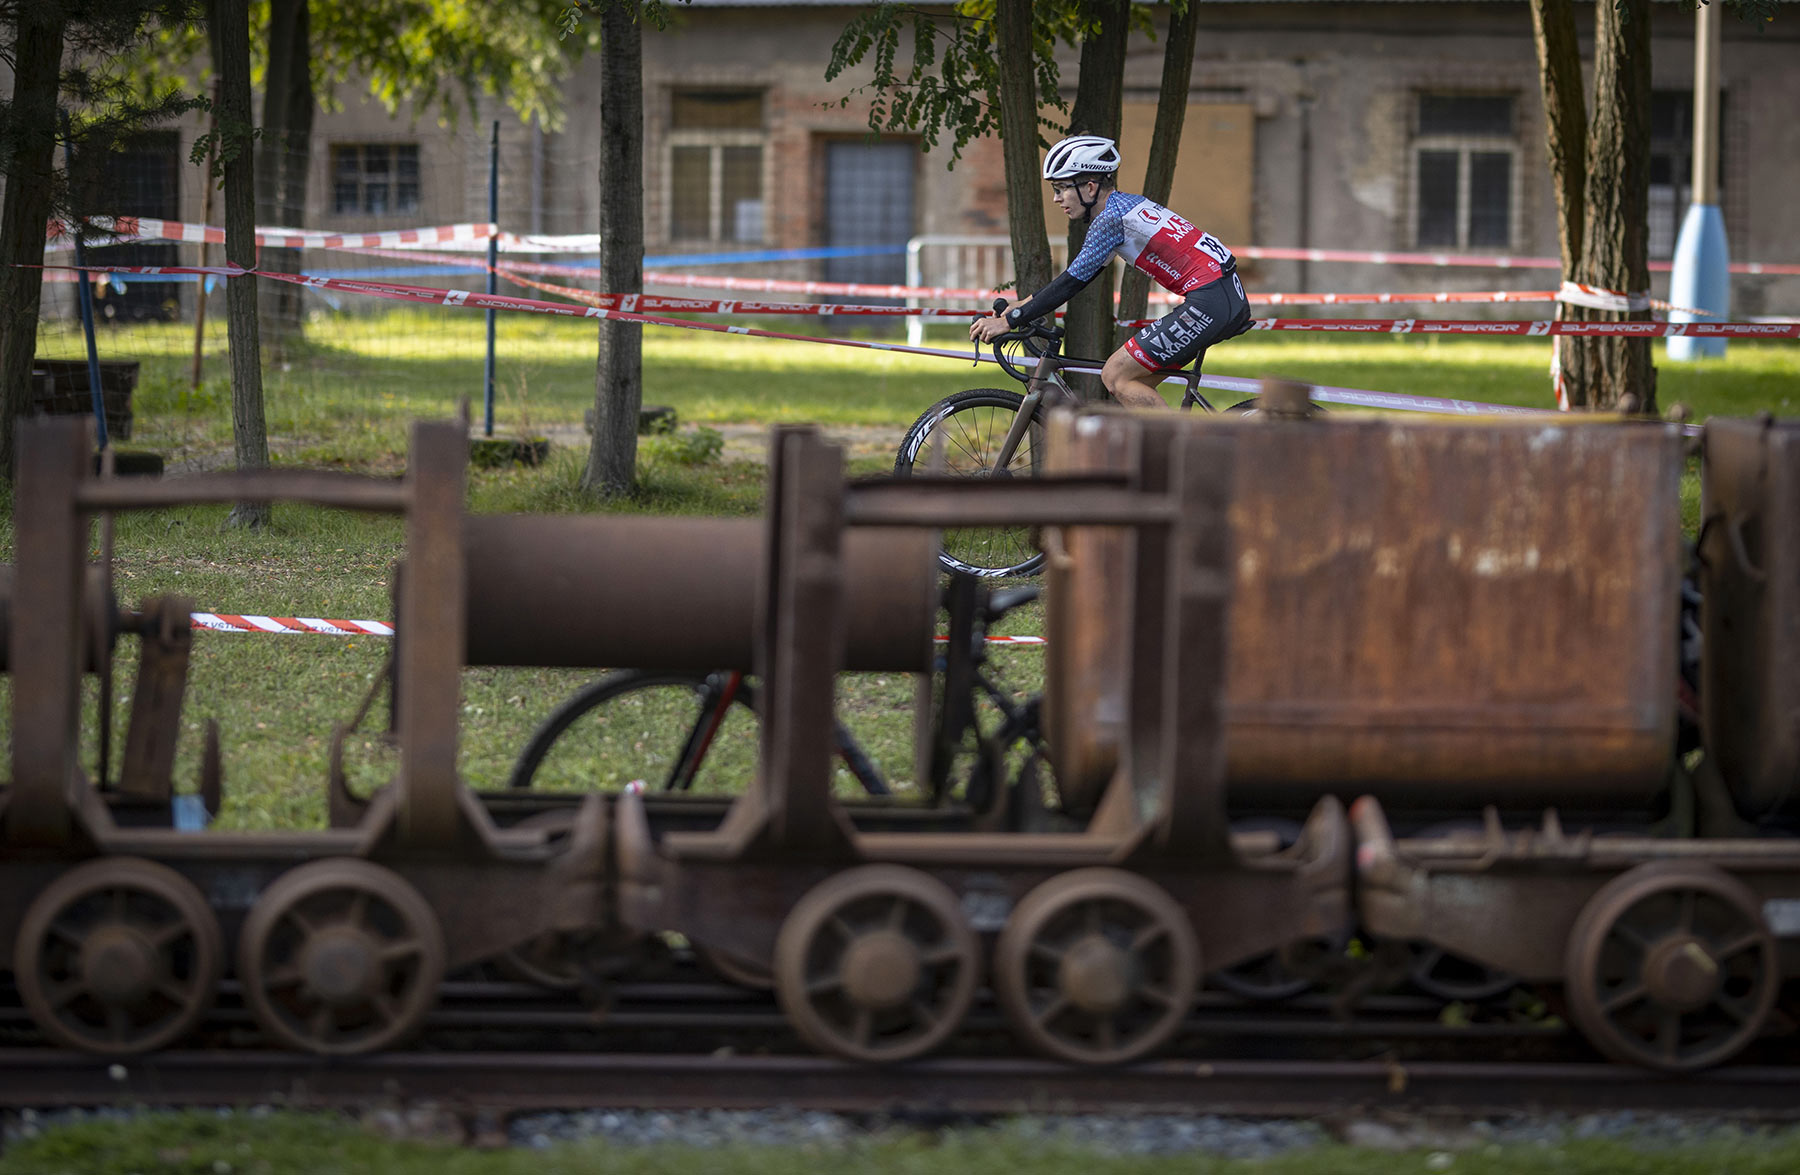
x: 1165, y: 142
x: 1615, y: 243
x: 1565, y: 134
x: 1098, y: 96
x: 282, y: 157
x: 229, y: 24
x: 1017, y: 101
x: 29, y: 181
x: 1565, y: 117
x: 619, y: 376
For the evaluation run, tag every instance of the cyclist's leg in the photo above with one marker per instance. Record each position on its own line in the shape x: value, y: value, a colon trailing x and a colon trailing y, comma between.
x: 1129, y: 381
x: 1209, y: 315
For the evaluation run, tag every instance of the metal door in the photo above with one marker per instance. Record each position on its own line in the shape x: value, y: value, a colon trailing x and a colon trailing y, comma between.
x: 143, y: 179
x: 868, y: 211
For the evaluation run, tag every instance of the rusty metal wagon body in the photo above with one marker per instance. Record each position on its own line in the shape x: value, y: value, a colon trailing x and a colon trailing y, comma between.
x: 1411, y: 681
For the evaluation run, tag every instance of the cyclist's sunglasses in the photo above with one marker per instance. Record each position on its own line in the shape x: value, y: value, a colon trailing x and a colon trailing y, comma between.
x: 1058, y: 187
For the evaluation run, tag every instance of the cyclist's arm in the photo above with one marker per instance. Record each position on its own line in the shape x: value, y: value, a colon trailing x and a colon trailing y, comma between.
x: 1062, y: 287
x: 1104, y: 236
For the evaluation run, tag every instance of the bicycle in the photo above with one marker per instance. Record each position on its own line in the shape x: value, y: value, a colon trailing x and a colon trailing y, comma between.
x: 968, y: 423
x: 673, y: 730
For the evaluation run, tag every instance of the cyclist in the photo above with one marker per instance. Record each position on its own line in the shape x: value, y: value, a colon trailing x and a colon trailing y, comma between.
x: 1184, y: 260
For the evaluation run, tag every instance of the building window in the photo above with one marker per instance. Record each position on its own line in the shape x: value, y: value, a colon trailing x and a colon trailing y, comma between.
x: 374, y: 178
x: 1672, y: 165
x: 1465, y: 154
x: 716, y: 165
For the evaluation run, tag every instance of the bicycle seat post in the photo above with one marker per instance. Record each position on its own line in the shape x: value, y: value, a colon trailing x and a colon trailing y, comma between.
x: 1190, y: 395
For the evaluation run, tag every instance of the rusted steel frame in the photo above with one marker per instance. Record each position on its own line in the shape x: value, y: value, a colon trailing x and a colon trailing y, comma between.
x: 1025, y: 502
x: 430, y: 659
x: 491, y: 905
x: 21, y: 881
x: 1514, y: 919
x: 50, y: 543
x: 1193, y: 824
x: 1151, y: 664
x: 737, y: 906
x: 1239, y: 914
x: 675, y: 593
x: 343, y: 807
x: 1510, y: 899
x: 99, y: 617
x: 804, y: 645
x: 499, y: 1083
x: 165, y: 638
x: 1750, y: 610
x: 526, y: 886
x: 956, y: 712
x: 1084, y: 659
x: 346, y: 491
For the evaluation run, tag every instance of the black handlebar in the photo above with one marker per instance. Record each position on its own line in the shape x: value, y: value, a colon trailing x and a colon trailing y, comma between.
x: 1025, y: 333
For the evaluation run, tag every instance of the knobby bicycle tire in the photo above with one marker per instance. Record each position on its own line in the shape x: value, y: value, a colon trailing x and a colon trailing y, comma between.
x: 681, y: 731
x: 974, y: 425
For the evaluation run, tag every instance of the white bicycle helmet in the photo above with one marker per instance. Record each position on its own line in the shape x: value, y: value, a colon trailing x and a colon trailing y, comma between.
x: 1081, y: 155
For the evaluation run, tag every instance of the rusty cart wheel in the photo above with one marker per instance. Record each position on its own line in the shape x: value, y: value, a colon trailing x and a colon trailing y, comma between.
x: 877, y: 964
x: 1448, y: 976
x: 340, y: 956
x: 735, y: 968
x: 1284, y: 973
x: 118, y: 956
x: 1672, y: 966
x: 1097, y: 967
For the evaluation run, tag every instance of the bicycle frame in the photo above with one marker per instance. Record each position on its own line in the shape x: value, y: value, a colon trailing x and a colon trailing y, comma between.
x: 1046, y: 377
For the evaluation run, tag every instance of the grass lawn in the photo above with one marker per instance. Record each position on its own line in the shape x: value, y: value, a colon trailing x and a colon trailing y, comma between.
x: 344, y: 401
x: 291, y: 1144
x: 343, y: 397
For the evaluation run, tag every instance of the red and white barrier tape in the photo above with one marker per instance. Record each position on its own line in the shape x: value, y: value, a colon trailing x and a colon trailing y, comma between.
x: 238, y: 622
x: 1426, y: 326
x: 312, y: 626
x: 1576, y: 294
x: 1469, y: 260
x: 432, y: 296
x: 1573, y: 292
x: 125, y: 229
x: 465, y: 235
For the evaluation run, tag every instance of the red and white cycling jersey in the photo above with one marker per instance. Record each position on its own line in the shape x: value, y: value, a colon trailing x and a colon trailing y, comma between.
x: 1179, y: 256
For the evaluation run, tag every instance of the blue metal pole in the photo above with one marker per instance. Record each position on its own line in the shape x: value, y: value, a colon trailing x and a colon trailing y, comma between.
x: 1701, y: 279
x: 493, y: 258
x: 85, y: 298
x: 1702, y: 271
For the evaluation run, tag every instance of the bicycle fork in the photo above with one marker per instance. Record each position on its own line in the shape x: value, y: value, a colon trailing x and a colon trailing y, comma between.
x: 1022, y: 420
x: 1042, y: 381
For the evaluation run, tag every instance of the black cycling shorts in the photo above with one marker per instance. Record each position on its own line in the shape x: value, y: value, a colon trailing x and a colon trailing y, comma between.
x: 1211, y: 314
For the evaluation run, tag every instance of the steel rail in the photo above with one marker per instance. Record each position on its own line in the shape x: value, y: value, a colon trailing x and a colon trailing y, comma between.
x: 511, y: 1082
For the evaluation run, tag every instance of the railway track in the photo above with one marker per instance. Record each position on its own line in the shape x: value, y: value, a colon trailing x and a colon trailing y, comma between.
x: 694, y: 1015
x: 489, y: 1083
x: 685, y: 1042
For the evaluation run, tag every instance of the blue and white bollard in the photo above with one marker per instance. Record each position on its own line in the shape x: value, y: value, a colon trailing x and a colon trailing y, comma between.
x: 1701, y: 281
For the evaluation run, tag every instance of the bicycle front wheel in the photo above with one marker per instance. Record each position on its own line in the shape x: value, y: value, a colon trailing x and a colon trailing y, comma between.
x: 658, y: 731
x: 972, y: 426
